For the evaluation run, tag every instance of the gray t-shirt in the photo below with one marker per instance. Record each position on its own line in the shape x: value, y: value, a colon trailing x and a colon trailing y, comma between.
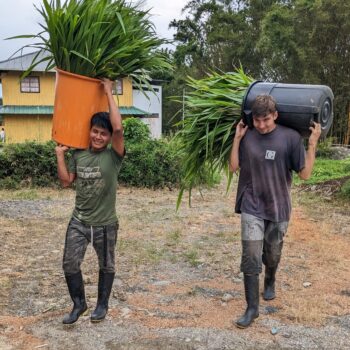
x: 266, y: 165
x: 96, y: 184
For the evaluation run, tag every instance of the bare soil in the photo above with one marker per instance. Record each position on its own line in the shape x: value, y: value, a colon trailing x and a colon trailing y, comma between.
x: 178, y: 284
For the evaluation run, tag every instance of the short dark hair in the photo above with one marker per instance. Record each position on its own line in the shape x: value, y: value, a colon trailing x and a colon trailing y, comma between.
x: 263, y: 105
x: 101, y: 119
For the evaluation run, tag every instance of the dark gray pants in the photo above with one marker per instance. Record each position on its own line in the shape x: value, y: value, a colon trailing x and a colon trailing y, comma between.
x: 262, y: 242
x: 78, y: 237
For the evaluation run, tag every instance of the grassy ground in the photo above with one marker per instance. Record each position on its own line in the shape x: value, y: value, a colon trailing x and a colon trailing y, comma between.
x: 327, y: 169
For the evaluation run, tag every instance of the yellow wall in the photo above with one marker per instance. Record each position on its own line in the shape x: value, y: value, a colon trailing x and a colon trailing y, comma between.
x: 125, y: 100
x: 12, y: 95
x: 21, y: 128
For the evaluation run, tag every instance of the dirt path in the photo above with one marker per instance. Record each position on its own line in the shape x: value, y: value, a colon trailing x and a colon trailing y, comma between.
x: 178, y: 284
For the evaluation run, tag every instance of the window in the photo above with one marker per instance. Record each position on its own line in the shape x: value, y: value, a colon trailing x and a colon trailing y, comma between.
x: 118, y: 87
x: 30, y: 84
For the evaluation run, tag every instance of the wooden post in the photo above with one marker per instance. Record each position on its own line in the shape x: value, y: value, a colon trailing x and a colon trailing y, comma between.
x: 347, y: 136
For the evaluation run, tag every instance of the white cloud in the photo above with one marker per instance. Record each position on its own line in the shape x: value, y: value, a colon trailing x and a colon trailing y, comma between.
x: 19, y: 17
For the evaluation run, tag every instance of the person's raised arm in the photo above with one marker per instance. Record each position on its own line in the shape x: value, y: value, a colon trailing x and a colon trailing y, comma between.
x: 115, y: 118
x: 305, y: 173
x: 241, y: 129
x: 64, y: 176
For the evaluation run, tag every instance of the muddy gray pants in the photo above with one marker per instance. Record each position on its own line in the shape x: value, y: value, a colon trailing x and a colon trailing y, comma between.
x: 262, y: 242
x: 78, y: 237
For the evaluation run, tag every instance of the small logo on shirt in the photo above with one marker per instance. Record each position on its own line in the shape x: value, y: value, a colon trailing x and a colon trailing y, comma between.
x: 270, y: 155
x: 89, y: 172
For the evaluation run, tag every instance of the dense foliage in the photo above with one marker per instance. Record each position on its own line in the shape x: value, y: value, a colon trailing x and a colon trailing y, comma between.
x: 287, y: 41
x: 98, y: 38
x: 148, y: 163
x: 212, y: 110
x: 135, y: 131
x: 28, y: 164
x: 152, y: 164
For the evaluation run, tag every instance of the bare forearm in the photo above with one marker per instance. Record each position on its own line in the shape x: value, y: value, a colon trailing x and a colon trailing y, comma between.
x: 62, y: 171
x: 115, y: 119
x: 310, y: 156
x: 114, y: 114
x: 315, y: 129
x: 234, y: 156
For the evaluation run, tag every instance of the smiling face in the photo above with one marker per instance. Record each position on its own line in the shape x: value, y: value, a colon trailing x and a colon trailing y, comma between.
x: 99, y: 138
x: 266, y: 123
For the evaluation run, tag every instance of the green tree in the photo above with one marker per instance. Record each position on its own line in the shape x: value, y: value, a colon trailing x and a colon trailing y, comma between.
x: 291, y: 41
x: 221, y: 34
x: 330, y: 38
x: 209, y: 36
x: 215, y: 35
x: 308, y: 41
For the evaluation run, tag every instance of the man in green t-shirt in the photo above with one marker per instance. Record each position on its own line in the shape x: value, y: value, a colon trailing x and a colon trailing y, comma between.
x: 95, y: 172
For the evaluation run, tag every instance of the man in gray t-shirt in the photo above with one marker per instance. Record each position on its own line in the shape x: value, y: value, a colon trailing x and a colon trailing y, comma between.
x: 266, y: 156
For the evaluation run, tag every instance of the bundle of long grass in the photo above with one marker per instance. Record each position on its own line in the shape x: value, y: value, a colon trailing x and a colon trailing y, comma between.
x: 212, y: 109
x: 98, y: 38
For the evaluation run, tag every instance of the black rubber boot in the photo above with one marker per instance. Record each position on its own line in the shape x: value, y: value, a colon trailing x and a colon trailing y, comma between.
x: 269, y: 283
x: 76, y: 290
x: 105, y: 282
x: 251, y: 288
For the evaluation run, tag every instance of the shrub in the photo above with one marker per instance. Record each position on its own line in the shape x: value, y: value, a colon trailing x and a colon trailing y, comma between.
x: 5, y: 166
x: 324, y: 148
x: 10, y: 183
x: 152, y: 164
x: 29, y: 163
x: 148, y: 163
x: 135, y: 130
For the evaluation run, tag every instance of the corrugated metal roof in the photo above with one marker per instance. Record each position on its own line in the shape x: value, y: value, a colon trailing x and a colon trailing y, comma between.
x: 49, y: 110
x: 132, y: 111
x: 22, y: 63
x: 26, y: 109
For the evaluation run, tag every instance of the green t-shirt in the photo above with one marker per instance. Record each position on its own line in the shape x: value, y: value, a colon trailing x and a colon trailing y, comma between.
x: 96, y: 185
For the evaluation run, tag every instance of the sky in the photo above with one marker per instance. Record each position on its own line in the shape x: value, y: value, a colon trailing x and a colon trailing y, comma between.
x: 18, y: 17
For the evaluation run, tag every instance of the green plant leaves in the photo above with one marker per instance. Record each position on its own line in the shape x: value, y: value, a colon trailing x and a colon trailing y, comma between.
x: 212, y: 109
x: 99, y: 38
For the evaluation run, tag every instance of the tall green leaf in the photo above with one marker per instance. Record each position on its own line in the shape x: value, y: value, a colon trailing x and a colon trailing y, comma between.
x: 212, y: 109
x: 99, y: 38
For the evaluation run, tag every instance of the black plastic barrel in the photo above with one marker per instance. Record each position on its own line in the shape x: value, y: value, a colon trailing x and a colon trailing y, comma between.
x: 298, y: 105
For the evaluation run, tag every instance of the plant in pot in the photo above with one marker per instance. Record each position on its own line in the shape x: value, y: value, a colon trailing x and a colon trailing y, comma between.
x: 95, y: 39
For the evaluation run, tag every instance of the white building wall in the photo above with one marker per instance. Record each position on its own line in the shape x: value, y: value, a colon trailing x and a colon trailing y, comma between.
x: 152, y: 105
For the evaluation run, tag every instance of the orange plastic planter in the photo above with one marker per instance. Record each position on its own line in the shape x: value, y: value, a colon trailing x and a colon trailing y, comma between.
x: 77, y: 98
